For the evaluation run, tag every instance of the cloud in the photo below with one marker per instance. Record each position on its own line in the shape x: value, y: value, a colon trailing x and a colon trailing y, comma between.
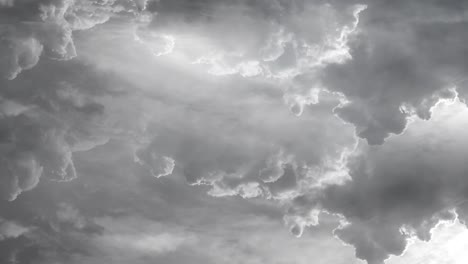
x: 7, y: 2
x: 268, y: 41
x: 147, y: 244
x: 270, y: 110
x: 159, y: 44
x: 41, y: 128
x: 345, y: 54
x: 31, y: 149
x: 446, y: 246
x: 68, y: 214
x: 159, y: 166
x: 137, y: 236
x: 399, y: 59
x: 45, y: 28
x: 18, y: 53
x: 21, y: 173
x: 9, y: 229
x: 257, y: 157
x: 401, y: 189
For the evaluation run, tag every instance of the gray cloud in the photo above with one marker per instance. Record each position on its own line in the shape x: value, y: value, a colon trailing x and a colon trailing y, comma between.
x: 33, y: 144
x: 9, y: 229
x: 401, y: 189
x: 263, y: 100
x: 235, y: 161
x: 402, y: 58
x: 31, y: 29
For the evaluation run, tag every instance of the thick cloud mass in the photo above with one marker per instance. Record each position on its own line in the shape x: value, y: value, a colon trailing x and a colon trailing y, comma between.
x: 402, y: 58
x: 410, y: 183
x: 186, y: 116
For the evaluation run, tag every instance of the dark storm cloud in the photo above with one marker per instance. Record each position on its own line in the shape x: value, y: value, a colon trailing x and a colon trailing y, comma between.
x: 220, y: 143
x: 251, y: 98
x: 55, y: 110
x: 408, y: 53
x: 407, y: 56
x: 403, y: 188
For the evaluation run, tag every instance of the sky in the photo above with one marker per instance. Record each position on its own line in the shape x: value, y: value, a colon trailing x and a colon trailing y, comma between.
x: 233, y: 131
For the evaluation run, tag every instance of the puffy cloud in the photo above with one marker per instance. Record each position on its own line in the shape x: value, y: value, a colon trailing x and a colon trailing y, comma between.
x: 18, y: 53
x: 274, y: 39
x: 401, y: 189
x: 31, y: 149
x: 32, y: 28
x: 346, y: 54
x: 159, y: 44
x: 159, y: 166
x: 400, y: 58
x: 41, y: 128
x: 256, y: 158
x: 297, y: 220
x: 21, y: 172
x: 210, y: 107
x: 214, y: 139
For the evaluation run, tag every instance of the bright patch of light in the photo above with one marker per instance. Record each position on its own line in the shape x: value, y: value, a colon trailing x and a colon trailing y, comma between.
x: 158, y: 44
x: 447, y: 246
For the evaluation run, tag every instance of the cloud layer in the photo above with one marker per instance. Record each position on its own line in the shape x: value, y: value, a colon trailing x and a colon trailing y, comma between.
x: 342, y: 115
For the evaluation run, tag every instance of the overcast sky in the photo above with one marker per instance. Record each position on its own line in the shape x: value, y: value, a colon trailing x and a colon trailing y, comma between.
x: 233, y: 131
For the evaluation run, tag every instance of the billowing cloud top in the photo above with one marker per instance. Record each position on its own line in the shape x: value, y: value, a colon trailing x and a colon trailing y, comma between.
x: 212, y: 122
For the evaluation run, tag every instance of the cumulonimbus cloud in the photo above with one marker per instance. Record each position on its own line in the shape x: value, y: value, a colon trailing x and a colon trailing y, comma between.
x: 401, y: 189
x: 209, y: 104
